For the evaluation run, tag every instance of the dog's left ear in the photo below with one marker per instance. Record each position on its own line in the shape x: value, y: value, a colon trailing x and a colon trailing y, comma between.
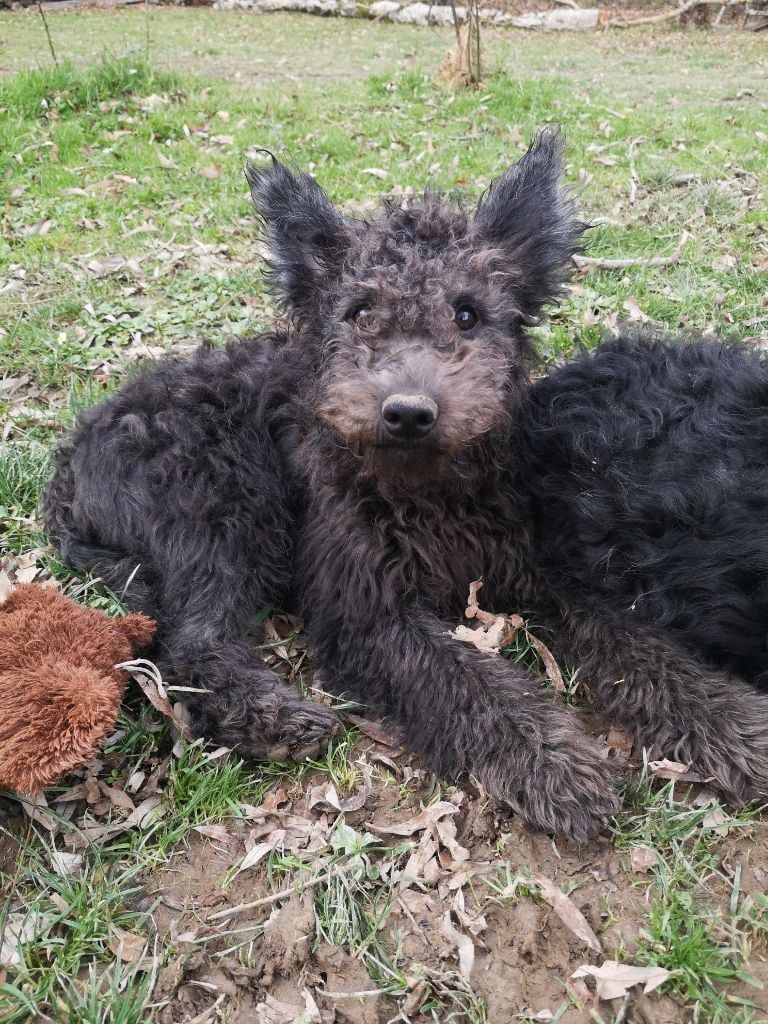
x: 305, y: 233
x: 528, y: 213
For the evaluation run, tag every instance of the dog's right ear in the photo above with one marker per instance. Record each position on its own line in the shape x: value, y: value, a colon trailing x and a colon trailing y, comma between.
x: 305, y: 233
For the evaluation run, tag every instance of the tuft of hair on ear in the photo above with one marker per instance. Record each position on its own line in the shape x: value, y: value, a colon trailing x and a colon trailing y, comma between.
x: 305, y: 233
x: 528, y: 213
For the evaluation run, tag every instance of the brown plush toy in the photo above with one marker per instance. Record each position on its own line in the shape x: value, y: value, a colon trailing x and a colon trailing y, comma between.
x: 59, y: 689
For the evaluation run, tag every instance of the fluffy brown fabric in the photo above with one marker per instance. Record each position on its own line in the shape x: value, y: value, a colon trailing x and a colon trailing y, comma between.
x: 59, y: 688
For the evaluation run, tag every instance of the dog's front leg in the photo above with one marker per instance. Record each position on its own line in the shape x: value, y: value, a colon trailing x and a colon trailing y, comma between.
x: 466, y: 712
x: 242, y: 703
x: 672, y: 702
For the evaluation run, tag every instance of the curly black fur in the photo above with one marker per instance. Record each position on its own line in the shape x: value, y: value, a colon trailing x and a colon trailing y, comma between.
x: 621, y: 500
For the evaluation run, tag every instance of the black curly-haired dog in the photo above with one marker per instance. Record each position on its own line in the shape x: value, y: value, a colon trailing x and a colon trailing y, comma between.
x: 371, y: 459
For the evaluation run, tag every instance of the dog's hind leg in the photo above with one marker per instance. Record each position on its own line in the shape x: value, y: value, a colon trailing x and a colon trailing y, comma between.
x: 670, y: 701
x: 188, y: 519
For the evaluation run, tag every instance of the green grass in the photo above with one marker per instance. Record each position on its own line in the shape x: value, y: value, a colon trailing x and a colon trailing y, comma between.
x: 688, y: 930
x: 73, y: 924
x: 128, y: 231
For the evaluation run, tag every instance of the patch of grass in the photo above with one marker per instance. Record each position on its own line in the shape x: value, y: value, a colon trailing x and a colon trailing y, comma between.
x: 204, y: 791
x: 66, y: 88
x: 687, y: 931
x: 24, y: 470
x: 73, y: 919
x: 339, y: 761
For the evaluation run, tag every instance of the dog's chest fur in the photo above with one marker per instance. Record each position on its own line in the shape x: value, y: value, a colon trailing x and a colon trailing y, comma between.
x: 423, y: 553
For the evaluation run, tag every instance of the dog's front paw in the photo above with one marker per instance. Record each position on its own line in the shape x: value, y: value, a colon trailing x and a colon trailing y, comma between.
x: 568, y: 790
x: 261, y: 718
x: 731, y: 750
x: 302, y: 730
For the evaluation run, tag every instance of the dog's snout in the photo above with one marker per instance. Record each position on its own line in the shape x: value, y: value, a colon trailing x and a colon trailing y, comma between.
x: 409, y: 416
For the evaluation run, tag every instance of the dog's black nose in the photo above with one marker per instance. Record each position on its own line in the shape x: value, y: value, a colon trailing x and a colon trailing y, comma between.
x: 409, y: 416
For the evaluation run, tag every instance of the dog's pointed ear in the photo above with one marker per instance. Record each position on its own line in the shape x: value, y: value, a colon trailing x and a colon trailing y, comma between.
x: 528, y: 213
x: 305, y: 233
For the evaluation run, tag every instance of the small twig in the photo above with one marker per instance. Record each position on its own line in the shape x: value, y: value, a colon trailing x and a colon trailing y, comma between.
x: 456, y: 26
x: 634, y: 181
x: 596, y: 263
x: 275, y: 897
x: 47, y: 32
x: 206, y: 1015
x: 364, y: 994
x: 653, y: 19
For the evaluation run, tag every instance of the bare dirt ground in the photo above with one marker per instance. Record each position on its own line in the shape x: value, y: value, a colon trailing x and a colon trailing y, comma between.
x: 525, y: 954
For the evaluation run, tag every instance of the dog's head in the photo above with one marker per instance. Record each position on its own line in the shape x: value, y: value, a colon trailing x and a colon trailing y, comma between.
x: 417, y: 318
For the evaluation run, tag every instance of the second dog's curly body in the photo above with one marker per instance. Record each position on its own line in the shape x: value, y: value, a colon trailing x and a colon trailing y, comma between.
x: 369, y: 461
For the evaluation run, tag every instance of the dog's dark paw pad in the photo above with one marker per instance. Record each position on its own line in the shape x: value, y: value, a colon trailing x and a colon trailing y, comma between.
x: 303, y: 731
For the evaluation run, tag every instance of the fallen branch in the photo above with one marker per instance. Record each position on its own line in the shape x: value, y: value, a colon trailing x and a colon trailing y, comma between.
x: 596, y: 263
x: 275, y: 897
x: 653, y: 19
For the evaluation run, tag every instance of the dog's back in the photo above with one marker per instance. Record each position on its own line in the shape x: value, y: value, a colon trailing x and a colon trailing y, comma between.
x: 649, y: 465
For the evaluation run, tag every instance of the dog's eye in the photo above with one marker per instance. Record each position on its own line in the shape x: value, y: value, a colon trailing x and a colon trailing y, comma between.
x: 465, y: 318
x: 365, y: 319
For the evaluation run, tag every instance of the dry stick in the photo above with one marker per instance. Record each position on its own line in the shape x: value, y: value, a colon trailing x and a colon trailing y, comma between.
x: 456, y: 27
x: 274, y: 898
x: 48, y: 33
x: 595, y: 263
x: 634, y: 181
x: 669, y: 15
x: 473, y: 40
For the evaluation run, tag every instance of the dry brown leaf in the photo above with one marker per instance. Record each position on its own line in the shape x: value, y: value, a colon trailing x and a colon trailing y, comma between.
x: 717, y: 820
x: 725, y: 263
x: 642, y: 859
x: 327, y: 798
x: 117, y: 797
x: 420, y: 864
x: 149, y: 679
x: 211, y: 171
x: 147, y: 812
x: 18, y: 929
x: 568, y: 912
x: 618, y: 743
x: 216, y: 832
x: 489, y: 639
x: 40, y: 227
x: 551, y: 669
x: 666, y: 769
x: 428, y: 817
x: 68, y: 865
x: 473, y: 609
x: 260, y: 850
x: 463, y: 943
x: 163, y: 160
x: 377, y: 732
x: 126, y: 946
x: 614, y: 980
x: 494, y: 631
x: 446, y: 832
x: 274, y: 1011
x: 635, y: 313
x: 27, y: 568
